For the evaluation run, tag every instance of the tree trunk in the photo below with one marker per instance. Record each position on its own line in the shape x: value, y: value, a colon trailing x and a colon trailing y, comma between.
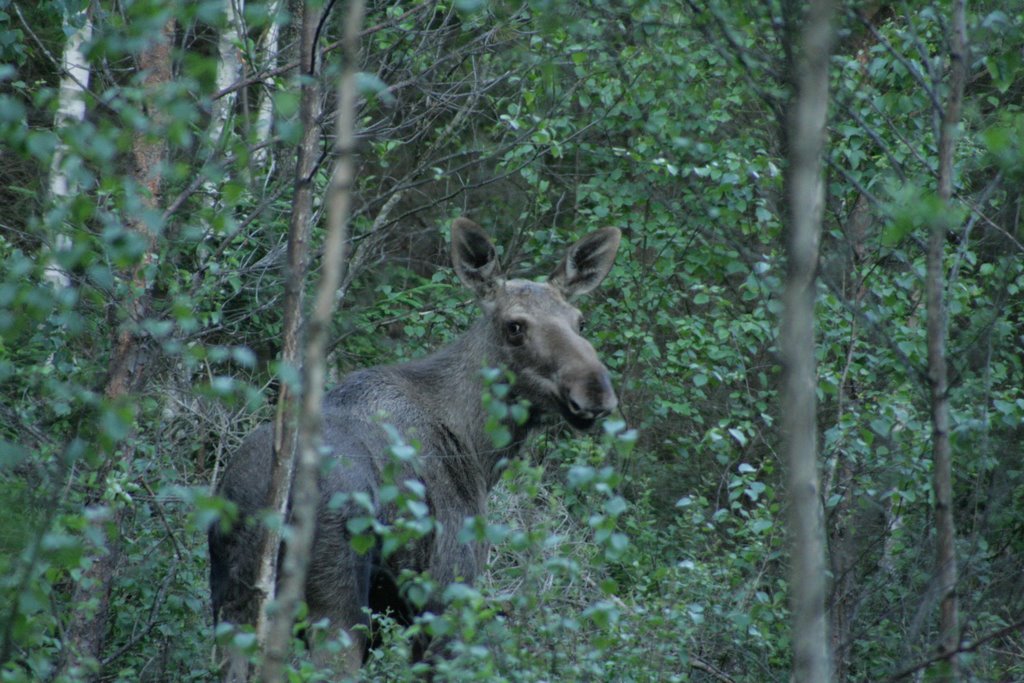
x: 811, y: 660
x: 75, y: 74
x: 229, y: 68
x: 85, y: 635
x: 265, y: 111
x: 297, y: 267
x: 945, y: 530
x: 304, y: 496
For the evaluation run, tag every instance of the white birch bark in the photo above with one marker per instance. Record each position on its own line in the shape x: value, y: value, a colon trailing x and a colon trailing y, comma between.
x: 74, y: 82
x: 265, y: 113
x: 229, y: 67
x: 229, y: 71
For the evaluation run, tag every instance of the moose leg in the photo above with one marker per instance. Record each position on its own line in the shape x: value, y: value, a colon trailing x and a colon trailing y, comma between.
x: 348, y: 662
x: 450, y: 562
x: 337, y: 589
x: 232, y: 579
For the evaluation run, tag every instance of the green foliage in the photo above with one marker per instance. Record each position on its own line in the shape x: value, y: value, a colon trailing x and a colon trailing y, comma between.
x: 654, y: 551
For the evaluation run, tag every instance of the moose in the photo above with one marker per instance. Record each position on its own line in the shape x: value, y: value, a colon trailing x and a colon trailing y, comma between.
x: 529, y: 328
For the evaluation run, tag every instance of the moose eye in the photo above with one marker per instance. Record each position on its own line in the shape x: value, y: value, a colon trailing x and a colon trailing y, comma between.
x: 515, y: 330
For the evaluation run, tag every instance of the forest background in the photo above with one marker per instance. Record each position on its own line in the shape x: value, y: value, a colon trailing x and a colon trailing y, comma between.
x: 147, y: 178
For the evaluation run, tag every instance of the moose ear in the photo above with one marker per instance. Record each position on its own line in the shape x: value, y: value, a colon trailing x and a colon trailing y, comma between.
x: 474, y: 257
x: 587, y: 263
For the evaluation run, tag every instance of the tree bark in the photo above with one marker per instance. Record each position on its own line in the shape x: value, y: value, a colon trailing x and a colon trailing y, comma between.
x: 807, y: 119
x: 265, y: 112
x: 304, y: 495
x: 945, y: 529
x: 86, y: 631
x: 229, y: 68
x: 75, y: 74
x: 282, y: 471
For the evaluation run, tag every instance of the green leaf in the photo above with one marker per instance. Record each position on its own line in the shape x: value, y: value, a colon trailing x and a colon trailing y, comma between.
x: 580, y: 475
x: 362, y: 543
x: 370, y: 85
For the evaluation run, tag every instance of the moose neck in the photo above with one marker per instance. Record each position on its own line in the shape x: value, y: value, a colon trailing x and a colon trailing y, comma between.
x: 451, y: 380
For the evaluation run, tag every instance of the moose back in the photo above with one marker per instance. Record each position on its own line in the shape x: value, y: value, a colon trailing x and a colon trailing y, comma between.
x: 530, y: 328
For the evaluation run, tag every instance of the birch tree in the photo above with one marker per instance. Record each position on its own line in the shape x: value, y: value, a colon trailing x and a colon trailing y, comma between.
x: 229, y: 67
x: 265, y: 110
x: 74, y: 83
x: 128, y: 366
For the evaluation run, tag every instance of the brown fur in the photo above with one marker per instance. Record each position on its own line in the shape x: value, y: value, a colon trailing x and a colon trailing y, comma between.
x: 530, y: 328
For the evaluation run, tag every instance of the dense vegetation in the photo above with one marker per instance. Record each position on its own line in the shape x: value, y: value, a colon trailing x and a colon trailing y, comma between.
x: 141, y: 315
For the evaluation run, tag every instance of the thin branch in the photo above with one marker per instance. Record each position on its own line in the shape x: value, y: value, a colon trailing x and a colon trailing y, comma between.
x: 155, y: 616
x: 303, y: 497
x: 965, y: 236
x: 284, y: 427
x: 281, y: 70
x: 737, y: 52
x: 911, y: 69
x: 963, y: 648
x: 701, y: 665
x: 851, y: 111
x: 179, y: 549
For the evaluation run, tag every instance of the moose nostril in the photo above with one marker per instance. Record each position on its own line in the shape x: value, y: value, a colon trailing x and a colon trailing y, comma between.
x: 591, y: 397
x: 574, y: 406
